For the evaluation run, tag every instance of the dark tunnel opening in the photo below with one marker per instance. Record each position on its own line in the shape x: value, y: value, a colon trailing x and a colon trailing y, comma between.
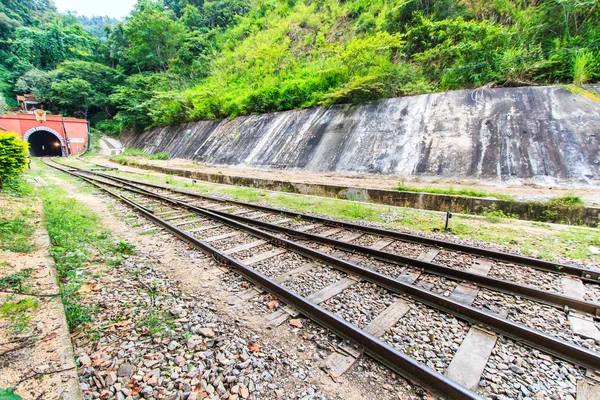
x: 43, y: 143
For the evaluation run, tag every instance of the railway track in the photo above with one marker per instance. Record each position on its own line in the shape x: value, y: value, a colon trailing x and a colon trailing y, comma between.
x: 276, y: 249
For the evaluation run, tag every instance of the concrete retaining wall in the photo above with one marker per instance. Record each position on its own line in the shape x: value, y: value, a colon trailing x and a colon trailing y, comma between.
x: 492, y: 133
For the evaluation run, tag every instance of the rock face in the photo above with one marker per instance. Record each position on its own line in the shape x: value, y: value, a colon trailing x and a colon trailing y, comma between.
x: 491, y: 133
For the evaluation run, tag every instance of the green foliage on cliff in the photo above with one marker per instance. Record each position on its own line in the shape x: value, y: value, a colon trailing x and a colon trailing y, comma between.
x: 294, y: 54
x: 179, y: 60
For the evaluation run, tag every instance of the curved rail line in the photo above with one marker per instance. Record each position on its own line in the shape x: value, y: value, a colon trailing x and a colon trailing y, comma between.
x: 585, y: 274
x: 379, y: 350
x: 534, y: 338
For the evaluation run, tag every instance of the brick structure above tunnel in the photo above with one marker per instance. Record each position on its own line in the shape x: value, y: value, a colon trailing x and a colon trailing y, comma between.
x: 53, y: 135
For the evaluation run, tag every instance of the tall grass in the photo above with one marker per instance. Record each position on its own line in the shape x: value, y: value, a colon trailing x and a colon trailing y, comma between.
x: 582, y: 67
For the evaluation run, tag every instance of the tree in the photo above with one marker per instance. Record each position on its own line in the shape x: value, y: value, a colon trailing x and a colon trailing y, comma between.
x: 13, y: 155
x: 3, y: 105
x: 153, y: 38
x: 74, y: 94
x: 35, y: 82
x: 102, y: 80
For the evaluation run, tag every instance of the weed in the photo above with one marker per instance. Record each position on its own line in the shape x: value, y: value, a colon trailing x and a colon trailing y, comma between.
x: 453, y: 192
x: 582, y: 67
x: 159, y: 156
x: 19, y: 314
x: 149, y: 232
x: 16, y: 186
x: 9, y: 394
x: 494, y: 215
x: 16, y: 281
x: 123, y: 247
x: 155, y: 321
x: 15, y: 233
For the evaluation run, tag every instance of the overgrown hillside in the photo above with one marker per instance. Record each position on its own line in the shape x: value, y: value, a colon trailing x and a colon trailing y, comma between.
x: 182, y: 60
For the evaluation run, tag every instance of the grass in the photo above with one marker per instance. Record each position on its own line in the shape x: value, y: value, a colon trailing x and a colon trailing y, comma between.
x: 19, y: 314
x: 15, y: 233
x: 16, y: 217
x: 141, y: 153
x: 582, y: 91
x: 16, y: 281
x: 76, y: 242
x: 454, y: 192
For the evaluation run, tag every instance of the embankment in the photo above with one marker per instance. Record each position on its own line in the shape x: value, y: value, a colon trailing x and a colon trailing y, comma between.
x: 492, y: 133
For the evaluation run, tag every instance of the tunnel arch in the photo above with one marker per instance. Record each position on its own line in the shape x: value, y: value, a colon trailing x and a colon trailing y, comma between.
x: 42, y: 142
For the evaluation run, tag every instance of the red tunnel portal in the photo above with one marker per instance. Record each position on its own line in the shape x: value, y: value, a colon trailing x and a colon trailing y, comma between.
x: 56, y: 136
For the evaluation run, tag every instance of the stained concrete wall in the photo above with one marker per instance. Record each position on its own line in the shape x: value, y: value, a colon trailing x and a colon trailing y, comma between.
x: 492, y: 133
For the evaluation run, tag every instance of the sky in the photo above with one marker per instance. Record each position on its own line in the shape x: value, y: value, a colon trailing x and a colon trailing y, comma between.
x: 112, y: 8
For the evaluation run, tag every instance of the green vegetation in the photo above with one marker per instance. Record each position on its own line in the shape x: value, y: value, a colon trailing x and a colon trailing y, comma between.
x: 16, y: 230
x: 16, y: 281
x: 77, y: 241
x: 9, y: 394
x: 19, y: 314
x: 494, y: 215
x: 140, y: 153
x: 13, y: 156
x: 452, y: 191
x: 180, y: 60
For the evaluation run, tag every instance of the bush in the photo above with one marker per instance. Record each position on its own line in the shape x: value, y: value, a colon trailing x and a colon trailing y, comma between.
x: 13, y: 156
x: 111, y: 127
x: 582, y: 67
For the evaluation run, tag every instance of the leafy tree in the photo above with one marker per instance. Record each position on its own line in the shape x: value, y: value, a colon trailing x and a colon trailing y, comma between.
x: 13, y: 155
x: 74, y: 94
x: 35, y: 82
x: 154, y: 39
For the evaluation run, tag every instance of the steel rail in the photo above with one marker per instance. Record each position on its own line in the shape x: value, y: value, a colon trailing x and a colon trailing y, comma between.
x: 586, y: 274
x: 379, y: 350
x: 547, y: 297
x: 534, y: 338
x: 551, y: 298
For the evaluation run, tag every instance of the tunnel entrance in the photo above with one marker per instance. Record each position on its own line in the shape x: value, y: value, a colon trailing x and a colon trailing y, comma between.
x: 44, y: 143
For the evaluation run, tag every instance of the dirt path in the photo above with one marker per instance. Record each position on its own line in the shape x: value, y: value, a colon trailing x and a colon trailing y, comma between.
x: 521, y: 189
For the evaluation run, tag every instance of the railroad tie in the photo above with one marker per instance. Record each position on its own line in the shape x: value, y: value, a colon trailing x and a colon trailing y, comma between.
x: 203, y: 228
x: 350, y: 236
x: 180, y: 216
x: 263, y: 256
x: 345, y: 355
x: 191, y: 221
x: 243, y: 211
x: 223, y: 208
x: 581, y: 325
x: 330, y: 232
x: 471, y: 357
x: 412, y: 277
x: 223, y: 236
x: 381, y: 244
x: 584, y: 326
x: 280, y: 279
x: 310, y: 227
x: 246, y: 246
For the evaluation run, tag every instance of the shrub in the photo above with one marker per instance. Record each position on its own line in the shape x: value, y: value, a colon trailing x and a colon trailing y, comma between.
x: 13, y: 155
x: 111, y: 127
x: 581, y: 67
